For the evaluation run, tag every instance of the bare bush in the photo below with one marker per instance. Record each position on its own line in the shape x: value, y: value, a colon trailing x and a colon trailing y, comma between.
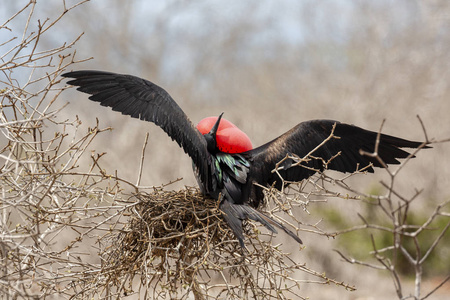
x: 410, y: 239
x: 70, y: 228
x: 397, y: 222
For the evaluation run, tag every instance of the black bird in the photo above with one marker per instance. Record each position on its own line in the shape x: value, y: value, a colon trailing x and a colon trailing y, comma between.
x: 234, y: 176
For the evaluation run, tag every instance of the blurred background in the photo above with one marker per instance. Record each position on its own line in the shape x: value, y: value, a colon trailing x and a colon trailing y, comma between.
x: 270, y: 65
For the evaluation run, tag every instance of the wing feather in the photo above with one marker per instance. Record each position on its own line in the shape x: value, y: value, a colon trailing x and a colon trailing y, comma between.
x: 145, y: 100
x: 306, y: 136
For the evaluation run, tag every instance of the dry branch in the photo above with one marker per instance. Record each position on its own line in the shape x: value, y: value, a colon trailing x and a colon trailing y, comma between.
x: 69, y: 229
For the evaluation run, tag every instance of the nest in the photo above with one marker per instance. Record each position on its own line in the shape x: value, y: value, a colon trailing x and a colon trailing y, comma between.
x: 177, y: 220
x: 178, y: 245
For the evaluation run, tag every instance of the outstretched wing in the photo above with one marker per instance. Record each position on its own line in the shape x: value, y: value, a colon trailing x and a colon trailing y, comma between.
x: 342, y: 152
x: 145, y: 100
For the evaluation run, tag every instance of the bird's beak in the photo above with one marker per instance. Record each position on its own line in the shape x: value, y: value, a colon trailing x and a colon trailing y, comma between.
x: 216, y: 126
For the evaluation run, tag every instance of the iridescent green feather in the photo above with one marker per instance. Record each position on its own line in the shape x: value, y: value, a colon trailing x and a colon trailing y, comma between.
x: 237, y: 164
x: 218, y: 170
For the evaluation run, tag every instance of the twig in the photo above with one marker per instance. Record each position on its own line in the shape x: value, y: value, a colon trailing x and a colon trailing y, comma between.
x: 141, y: 165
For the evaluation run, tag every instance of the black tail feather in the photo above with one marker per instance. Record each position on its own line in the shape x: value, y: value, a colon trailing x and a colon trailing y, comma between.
x: 234, y: 214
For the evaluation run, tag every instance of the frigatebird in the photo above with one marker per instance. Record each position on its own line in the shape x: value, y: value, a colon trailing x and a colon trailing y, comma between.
x: 236, y: 178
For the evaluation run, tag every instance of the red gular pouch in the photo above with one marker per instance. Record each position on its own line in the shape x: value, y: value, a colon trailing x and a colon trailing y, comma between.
x: 229, y: 138
x: 205, y: 125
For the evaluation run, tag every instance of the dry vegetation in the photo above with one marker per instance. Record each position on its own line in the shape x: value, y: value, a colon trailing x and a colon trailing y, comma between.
x: 73, y: 227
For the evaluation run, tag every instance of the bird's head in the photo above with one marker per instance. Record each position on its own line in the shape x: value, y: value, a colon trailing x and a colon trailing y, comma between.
x: 210, y: 137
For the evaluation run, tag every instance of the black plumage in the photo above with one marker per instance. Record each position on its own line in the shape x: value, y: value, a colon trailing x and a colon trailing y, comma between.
x: 234, y: 175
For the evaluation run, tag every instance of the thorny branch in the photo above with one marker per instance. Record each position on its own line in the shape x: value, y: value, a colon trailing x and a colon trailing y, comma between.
x: 57, y: 201
x: 392, y: 204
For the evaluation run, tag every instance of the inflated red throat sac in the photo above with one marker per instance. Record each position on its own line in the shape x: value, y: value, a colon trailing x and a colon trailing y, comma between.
x: 229, y: 138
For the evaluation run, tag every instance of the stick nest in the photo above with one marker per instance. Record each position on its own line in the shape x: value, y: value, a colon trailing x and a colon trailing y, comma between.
x: 178, y: 245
